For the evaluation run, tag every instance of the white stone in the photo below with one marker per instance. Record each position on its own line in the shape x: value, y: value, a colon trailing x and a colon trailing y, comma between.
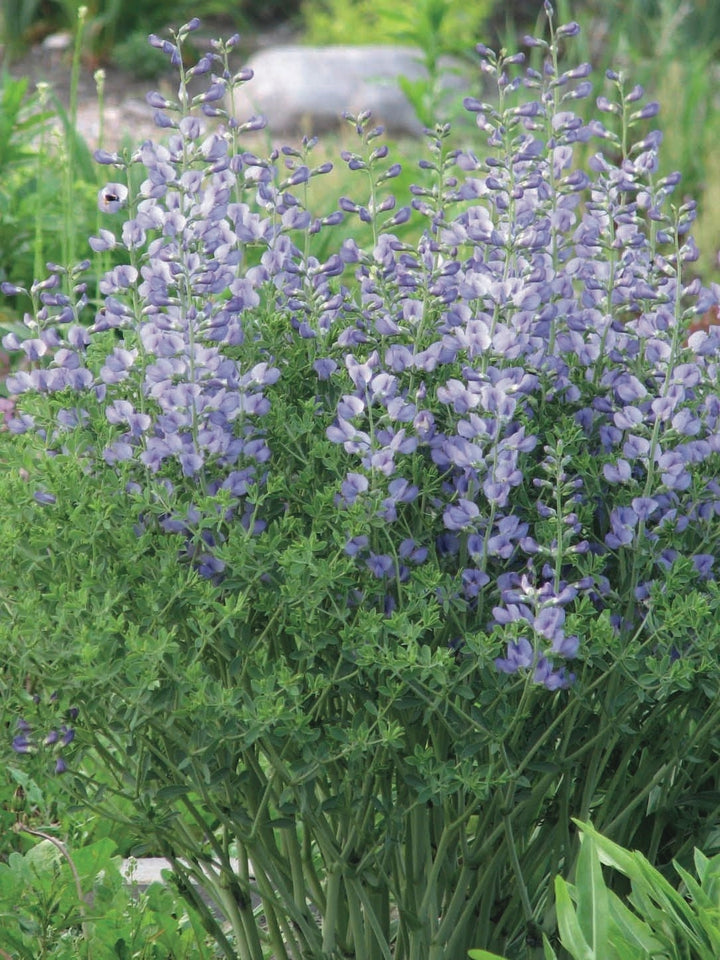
x: 146, y: 870
x: 56, y: 43
x: 301, y: 89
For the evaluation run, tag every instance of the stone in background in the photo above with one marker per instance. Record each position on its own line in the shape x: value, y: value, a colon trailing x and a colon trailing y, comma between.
x: 301, y: 89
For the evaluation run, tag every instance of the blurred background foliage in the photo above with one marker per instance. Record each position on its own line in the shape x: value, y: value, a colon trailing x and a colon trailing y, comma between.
x: 393, y: 21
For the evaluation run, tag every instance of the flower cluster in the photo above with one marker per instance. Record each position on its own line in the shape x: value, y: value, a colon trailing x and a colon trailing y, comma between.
x: 513, y: 390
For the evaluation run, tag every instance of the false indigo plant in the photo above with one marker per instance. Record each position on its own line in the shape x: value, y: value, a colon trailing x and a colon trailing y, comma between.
x: 370, y: 565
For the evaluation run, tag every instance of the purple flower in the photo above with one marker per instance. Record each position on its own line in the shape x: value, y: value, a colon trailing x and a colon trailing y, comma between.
x: 354, y: 485
x: 380, y: 565
x: 356, y: 545
x: 623, y: 521
x: 619, y: 472
x: 461, y: 515
x: 22, y: 743
x: 473, y: 582
x: 548, y: 623
x: 112, y: 197
x: 324, y: 368
x: 106, y: 241
x: 703, y: 563
x: 408, y: 550
x: 519, y: 655
x: 545, y: 306
x: 566, y: 646
x: 550, y: 678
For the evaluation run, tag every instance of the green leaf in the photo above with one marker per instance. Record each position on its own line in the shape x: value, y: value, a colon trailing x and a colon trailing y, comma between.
x: 695, y: 890
x: 483, y: 955
x: 708, y: 871
x: 629, y: 933
x: 548, y: 952
x: 651, y: 892
x: 610, y: 853
x: 592, y: 898
x: 709, y: 921
x: 571, y: 934
x: 172, y: 792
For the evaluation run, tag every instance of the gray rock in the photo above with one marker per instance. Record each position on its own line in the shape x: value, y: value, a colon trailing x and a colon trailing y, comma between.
x: 57, y: 43
x: 301, y: 89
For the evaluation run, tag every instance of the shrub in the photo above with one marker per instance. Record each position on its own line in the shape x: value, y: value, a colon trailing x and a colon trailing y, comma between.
x: 361, y: 575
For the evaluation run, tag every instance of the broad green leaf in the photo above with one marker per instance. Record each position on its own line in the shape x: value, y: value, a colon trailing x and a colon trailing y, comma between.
x: 95, y: 857
x: 548, y: 952
x: 708, y: 871
x: 592, y: 899
x: 652, y: 894
x: 700, y: 898
x: 629, y: 933
x: 44, y: 856
x: 670, y: 902
x: 570, y: 933
x: 611, y: 853
x: 709, y: 921
x: 701, y: 863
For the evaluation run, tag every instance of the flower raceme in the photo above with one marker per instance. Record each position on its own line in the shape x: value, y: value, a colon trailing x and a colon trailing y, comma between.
x: 509, y: 389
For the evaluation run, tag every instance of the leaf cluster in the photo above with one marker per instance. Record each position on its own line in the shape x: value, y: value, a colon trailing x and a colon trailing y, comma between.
x: 653, y: 920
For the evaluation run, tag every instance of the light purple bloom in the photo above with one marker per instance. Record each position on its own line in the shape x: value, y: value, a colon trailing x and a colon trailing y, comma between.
x: 461, y: 515
x: 618, y: 472
x: 704, y: 563
x: 354, y: 485
x: 432, y: 364
x: 519, y: 655
x: 473, y: 581
x: 325, y: 367
x: 356, y: 545
x: 380, y: 565
x: 548, y: 623
x: 550, y: 678
x: 22, y: 743
x: 566, y: 646
x: 112, y: 197
x: 623, y: 521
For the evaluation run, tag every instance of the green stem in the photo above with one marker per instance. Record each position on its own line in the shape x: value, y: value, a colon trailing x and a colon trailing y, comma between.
x: 512, y: 846
x: 190, y: 892
x: 360, y: 898
x: 40, y: 211
x: 69, y: 212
